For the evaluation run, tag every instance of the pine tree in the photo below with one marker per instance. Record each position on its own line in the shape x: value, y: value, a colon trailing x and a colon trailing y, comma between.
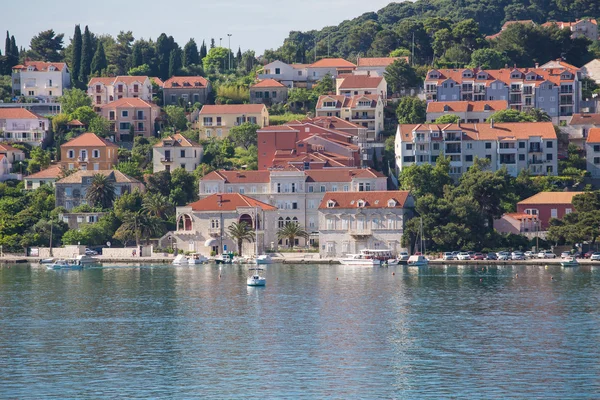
x: 76, y: 65
x: 136, y: 57
x: 174, y: 62
x: 86, y: 58
x: 203, y: 51
x: 99, y: 61
x: 212, y: 43
x: 190, y: 53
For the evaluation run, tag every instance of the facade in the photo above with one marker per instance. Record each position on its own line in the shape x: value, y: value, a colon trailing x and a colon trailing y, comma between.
x: 45, y: 177
x: 268, y: 92
x: 89, y: 151
x: 71, y: 190
x: 547, y: 205
x: 516, y: 146
x: 214, y: 121
x: 471, y: 112
x: 76, y: 220
x: 557, y: 91
x: 517, y: 224
x: 328, y: 66
x: 305, y: 75
x: 354, y: 85
x: 9, y: 160
x: 295, y: 193
x: 176, y: 151
x: 592, y: 152
x: 130, y: 112
x: 376, y: 65
x: 23, y: 126
x: 6, y: 169
x: 42, y: 80
x: 351, y: 222
x: 202, y: 225
x: 106, y: 90
x: 586, y: 27
x: 578, y: 128
x: 592, y: 70
x: 365, y: 110
x: 182, y: 90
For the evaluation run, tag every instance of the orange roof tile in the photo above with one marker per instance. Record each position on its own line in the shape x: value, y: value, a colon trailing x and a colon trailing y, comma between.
x: 466, y: 106
x: 157, y: 80
x: 17, y: 113
x: 77, y: 177
x: 517, y: 130
x: 332, y: 63
x: 551, y: 198
x: 539, y: 75
x: 6, y: 147
x: 238, y: 176
x: 75, y: 122
x: 134, y: 102
x: 277, y: 128
x: 228, y: 202
x: 521, y: 216
x: 233, y: 109
x: 129, y: 79
x: 267, y: 83
x: 183, y: 82
x: 360, y: 81
x: 41, y: 65
x: 88, y: 139
x: 178, y: 141
x: 379, y: 61
x: 103, y: 80
x: 52, y: 172
x: 585, y: 119
x: 375, y: 199
x: 340, y: 174
x: 593, y: 136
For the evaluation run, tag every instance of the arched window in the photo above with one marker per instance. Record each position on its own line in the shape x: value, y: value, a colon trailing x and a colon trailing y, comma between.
x: 247, y: 219
x: 295, y: 220
x: 280, y: 222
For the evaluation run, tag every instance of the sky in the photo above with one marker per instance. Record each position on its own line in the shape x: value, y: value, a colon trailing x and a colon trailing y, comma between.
x: 253, y: 25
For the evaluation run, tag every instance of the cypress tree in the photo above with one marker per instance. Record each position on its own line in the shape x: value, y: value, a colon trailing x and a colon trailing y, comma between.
x: 7, y: 45
x: 86, y: 58
x: 174, y: 62
x: 212, y: 43
x: 136, y: 56
x: 202, y: 51
x: 14, y: 50
x: 163, y: 54
x: 190, y: 53
x: 238, y: 57
x: 76, y: 67
x: 99, y: 61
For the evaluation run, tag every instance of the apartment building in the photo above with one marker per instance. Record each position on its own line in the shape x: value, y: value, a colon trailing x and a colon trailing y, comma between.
x: 185, y: 90
x: 215, y: 121
x: 305, y: 75
x: 586, y: 27
x: 365, y: 110
x: 354, y: 85
x: 557, y: 91
x: 23, y: 126
x: 376, y: 66
x: 10, y: 159
x: 89, y: 151
x: 592, y: 152
x: 268, y: 91
x: 471, y: 112
x: 515, y: 146
x: 295, y: 193
x: 351, y: 222
x: 42, y: 80
x: 106, y: 90
x: 176, y: 151
x: 579, y: 126
x: 128, y: 112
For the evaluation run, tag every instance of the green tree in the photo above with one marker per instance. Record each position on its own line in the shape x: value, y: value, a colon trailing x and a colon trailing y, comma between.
x: 244, y: 135
x: 99, y: 63
x: 38, y: 160
x: 159, y: 182
x: 291, y: 231
x: 488, y: 59
x: 399, y: 76
x: 76, y: 58
x: 87, y: 53
x: 46, y: 46
x: 325, y: 85
x: 157, y: 205
x: 215, y: 60
x: 141, y: 70
x: 447, y: 119
x: 202, y: 51
x: 190, y: 53
x: 538, y: 115
x: 101, y: 192
x: 99, y: 125
x: 136, y: 225
x: 72, y: 99
x: 184, y: 187
x: 384, y: 43
x: 240, y: 232
x: 130, y: 168
x: 176, y: 117
x: 174, y: 61
x: 411, y: 110
x: 425, y: 179
x: 85, y: 114
x: 510, y: 116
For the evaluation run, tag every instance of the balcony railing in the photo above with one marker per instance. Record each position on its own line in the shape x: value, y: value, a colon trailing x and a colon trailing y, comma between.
x: 139, y: 117
x: 360, y: 232
x: 363, y: 117
x: 83, y: 159
x: 536, y: 161
x: 166, y: 160
x: 535, y: 149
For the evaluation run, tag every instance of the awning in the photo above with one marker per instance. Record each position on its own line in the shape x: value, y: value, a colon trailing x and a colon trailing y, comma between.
x: 211, y: 242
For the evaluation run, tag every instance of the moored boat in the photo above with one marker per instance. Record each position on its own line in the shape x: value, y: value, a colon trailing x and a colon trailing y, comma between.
x: 255, y: 279
x: 417, y: 261
x: 263, y: 259
x: 569, y: 262
x: 359, y: 259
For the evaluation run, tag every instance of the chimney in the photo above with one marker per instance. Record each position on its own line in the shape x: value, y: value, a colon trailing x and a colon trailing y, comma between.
x: 220, y: 200
x: 458, y: 123
x: 492, y: 122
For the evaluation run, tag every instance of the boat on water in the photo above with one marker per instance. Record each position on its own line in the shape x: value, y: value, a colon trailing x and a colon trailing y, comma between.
x: 85, y: 260
x: 196, y: 258
x: 359, y: 259
x: 64, y: 264
x: 570, y: 262
x: 180, y: 259
x: 225, y: 258
x: 263, y: 259
x: 417, y: 261
x: 51, y: 260
x: 255, y: 279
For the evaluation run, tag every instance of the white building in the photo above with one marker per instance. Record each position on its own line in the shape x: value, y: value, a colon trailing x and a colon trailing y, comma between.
x: 43, y: 80
x: 106, y: 90
x: 350, y: 222
x: 305, y: 75
x: 353, y: 85
x: 295, y: 193
x: 592, y: 152
x: 365, y: 110
x: 45, y: 177
x: 10, y: 158
x: 516, y: 146
x: 21, y: 125
x: 176, y: 151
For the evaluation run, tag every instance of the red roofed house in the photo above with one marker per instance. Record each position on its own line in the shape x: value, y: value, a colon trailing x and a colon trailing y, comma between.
x: 376, y: 65
x: 353, y: 85
x: 546, y: 205
x: 332, y: 66
x: 363, y: 109
x: 291, y: 75
x: 202, y: 226
x: 130, y: 112
x: 295, y: 192
x: 268, y: 91
x: 106, y: 90
x: 471, y: 112
x: 182, y: 90
x: 579, y: 126
x: 214, y: 121
x: 9, y: 160
x: 581, y: 28
x: 351, y: 222
x: 42, y: 80
x: 176, y: 151
x: 88, y: 151
x: 592, y: 152
x: 517, y: 223
x: 21, y: 125
x: 45, y: 177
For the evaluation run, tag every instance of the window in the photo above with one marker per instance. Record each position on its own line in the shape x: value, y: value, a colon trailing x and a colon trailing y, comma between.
x: 408, y: 159
x: 330, y: 224
x: 312, y: 204
x: 330, y: 204
x: 549, y: 169
x: 96, y: 153
x: 124, y: 113
x: 549, y: 145
x: 280, y: 222
x: 409, y: 146
x: 334, y: 188
x: 469, y: 146
x: 568, y: 210
x: 436, y: 146
x: 346, y: 188
x: 208, y: 133
x: 214, y: 224
x: 549, y: 157
x: 488, y: 156
x: 596, y: 160
x: 322, y: 188
x: 469, y: 158
x: 279, y: 188
x: 277, y: 71
x: 242, y: 190
x: 294, y: 205
x: 182, y: 153
x: 597, y: 148
x: 71, y: 154
x: 311, y: 189
x: 554, y: 213
x: 488, y: 145
x: 521, y: 145
x: 521, y: 157
x: 124, y: 126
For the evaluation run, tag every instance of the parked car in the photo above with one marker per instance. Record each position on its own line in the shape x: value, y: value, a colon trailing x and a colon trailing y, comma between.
x: 478, y: 256
x: 517, y: 255
x: 565, y: 254
x: 403, y: 256
x: 471, y: 253
x: 491, y: 256
x: 455, y: 253
x: 503, y: 255
x: 595, y: 257
x: 546, y: 254
x: 90, y: 252
x: 463, y: 256
x: 529, y: 254
x: 449, y: 256
x: 589, y: 254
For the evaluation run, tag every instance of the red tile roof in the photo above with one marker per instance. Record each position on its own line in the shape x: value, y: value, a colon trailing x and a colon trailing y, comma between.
x: 6, y: 147
x: 539, y: 75
x: 379, y: 61
x: 340, y: 174
x: 379, y: 199
x: 157, y: 80
x: 277, y: 128
x: 551, y: 198
x: 593, y: 136
x: 516, y: 130
x: 178, y: 141
x: 88, y: 139
x: 52, y: 172
x: 332, y: 63
x: 466, y: 106
x: 360, y: 82
x: 17, y: 113
x: 41, y: 65
x: 126, y: 79
x: 521, y: 216
x: 185, y: 82
x: 103, y: 80
x: 268, y: 83
x: 75, y: 122
x: 233, y: 109
x: 585, y: 119
x: 119, y: 177
x: 332, y: 123
x: 228, y: 202
x: 134, y: 102
x: 346, y: 101
x: 238, y: 176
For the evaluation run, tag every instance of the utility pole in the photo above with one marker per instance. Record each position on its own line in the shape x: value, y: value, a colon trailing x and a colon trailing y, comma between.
x: 229, y: 37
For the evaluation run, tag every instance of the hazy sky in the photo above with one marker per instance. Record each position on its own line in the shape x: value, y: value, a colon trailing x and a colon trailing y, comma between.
x: 254, y: 25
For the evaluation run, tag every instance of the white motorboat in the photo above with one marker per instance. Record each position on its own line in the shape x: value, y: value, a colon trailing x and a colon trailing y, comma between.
x: 180, y: 259
x: 197, y: 258
x: 255, y: 279
x: 64, y: 264
x: 263, y: 259
x: 570, y: 262
x: 84, y: 260
x: 48, y: 261
x: 359, y: 259
x: 391, y: 261
x: 417, y: 261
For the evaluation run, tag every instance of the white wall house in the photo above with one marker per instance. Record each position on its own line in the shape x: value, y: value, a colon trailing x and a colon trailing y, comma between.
x: 176, y: 151
x: 23, y: 126
x: 43, y: 80
x: 106, y: 90
x: 291, y: 75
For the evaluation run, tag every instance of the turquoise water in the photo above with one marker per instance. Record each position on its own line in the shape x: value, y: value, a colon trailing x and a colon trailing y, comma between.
x: 313, y: 332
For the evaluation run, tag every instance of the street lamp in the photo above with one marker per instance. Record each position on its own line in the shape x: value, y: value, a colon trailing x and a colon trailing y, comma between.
x: 229, y: 37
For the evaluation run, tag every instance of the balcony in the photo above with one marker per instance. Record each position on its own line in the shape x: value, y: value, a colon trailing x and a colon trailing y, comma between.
x: 214, y: 232
x: 515, y: 90
x: 535, y: 149
x: 364, y: 117
x: 452, y: 150
x: 507, y: 150
x: 360, y: 232
x: 566, y: 91
x: 139, y: 117
x: 166, y: 160
x: 83, y: 159
x: 566, y: 102
x: 535, y: 161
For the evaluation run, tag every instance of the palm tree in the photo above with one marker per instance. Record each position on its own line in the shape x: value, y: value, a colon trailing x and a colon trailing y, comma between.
x: 101, y: 192
x: 239, y: 232
x: 291, y: 231
x: 539, y: 115
x: 139, y: 224
x: 157, y: 205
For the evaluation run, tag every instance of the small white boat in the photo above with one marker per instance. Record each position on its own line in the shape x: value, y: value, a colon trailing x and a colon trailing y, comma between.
x: 255, y: 279
x: 263, y: 259
x: 64, y: 264
x: 392, y: 261
x: 359, y: 259
x: 180, y: 259
x: 570, y: 262
x: 84, y: 260
x: 48, y: 261
x: 417, y: 261
x: 197, y: 258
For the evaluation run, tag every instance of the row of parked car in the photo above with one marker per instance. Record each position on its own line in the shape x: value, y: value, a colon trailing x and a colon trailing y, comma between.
x: 515, y: 255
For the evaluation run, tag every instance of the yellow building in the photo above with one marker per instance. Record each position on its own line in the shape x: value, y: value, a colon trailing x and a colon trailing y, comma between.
x: 216, y: 120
